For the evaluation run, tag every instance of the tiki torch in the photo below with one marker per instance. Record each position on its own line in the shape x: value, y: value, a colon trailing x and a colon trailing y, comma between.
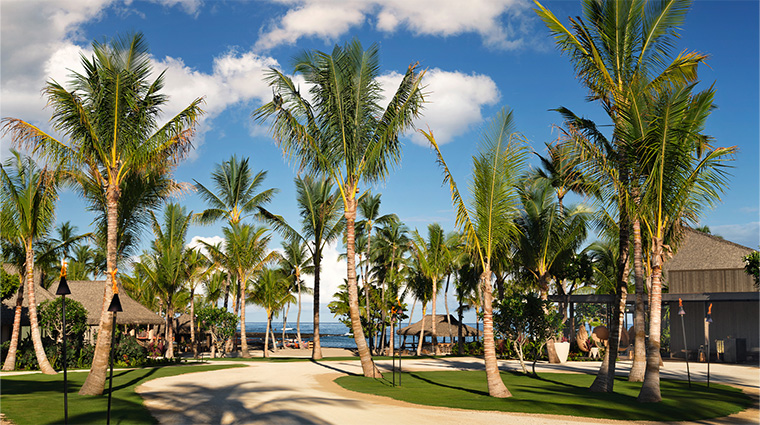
x: 115, y: 307
x: 708, y: 320
x: 681, y: 313
x: 63, y: 290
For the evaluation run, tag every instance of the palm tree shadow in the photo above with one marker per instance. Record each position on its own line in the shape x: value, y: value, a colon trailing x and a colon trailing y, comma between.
x: 136, y: 379
x: 429, y: 381
x: 325, y: 365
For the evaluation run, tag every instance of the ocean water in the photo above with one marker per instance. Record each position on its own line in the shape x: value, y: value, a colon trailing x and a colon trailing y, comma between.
x: 331, y: 334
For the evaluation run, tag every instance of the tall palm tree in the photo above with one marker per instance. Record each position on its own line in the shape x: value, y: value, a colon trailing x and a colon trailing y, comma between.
x: 433, y: 263
x: 197, y: 267
x: 392, y: 243
x: 244, y: 254
x: 295, y: 262
x: 166, y: 267
x: 236, y: 195
x: 684, y: 174
x: 344, y: 133
x: 623, y: 46
x: 549, y: 236
x: 109, y: 117
x: 27, y: 200
x: 489, y: 222
x: 562, y: 170
x: 271, y: 292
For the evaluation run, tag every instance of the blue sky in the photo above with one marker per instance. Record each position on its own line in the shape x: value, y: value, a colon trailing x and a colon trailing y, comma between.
x: 480, y: 56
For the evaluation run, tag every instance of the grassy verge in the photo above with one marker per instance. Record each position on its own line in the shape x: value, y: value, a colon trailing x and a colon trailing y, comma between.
x: 37, y: 399
x: 307, y: 359
x: 556, y: 394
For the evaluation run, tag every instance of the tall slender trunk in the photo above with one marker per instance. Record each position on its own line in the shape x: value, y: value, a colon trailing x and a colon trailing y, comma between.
x: 650, y: 389
x: 96, y: 379
x: 274, y: 340
x: 39, y: 349
x: 382, y: 318
x: 605, y: 378
x: 266, y: 333
x: 411, y: 314
x: 241, y: 304
x: 446, y: 304
x: 496, y: 387
x: 639, y: 347
x: 285, y: 323
x: 367, y: 287
x: 227, y: 291
x: 460, y: 341
x: 368, y: 366
x: 316, y: 351
x: 10, y: 359
x: 433, y: 333
x: 169, y: 334
x: 298, y: 317
x: 422, y: 330
x: 192, y: 323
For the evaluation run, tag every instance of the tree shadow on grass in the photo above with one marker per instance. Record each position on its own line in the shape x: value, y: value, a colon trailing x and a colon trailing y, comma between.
x: 439, y: 384
x: 325, y: 365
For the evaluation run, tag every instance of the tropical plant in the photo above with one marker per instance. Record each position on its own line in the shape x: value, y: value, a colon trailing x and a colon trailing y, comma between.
x: 344, y: 133
x: 295, y: 262
x: 432, y: 261
x: 220, y: 323
x: 197, y: 267
x: 752, y: 266
x: 110, y: 119
x: 27, y: 200
x: 489, y: 222
x: 270, y: 292
x: 620, y: 48
x: 391, y: 246
x: 51, y: 319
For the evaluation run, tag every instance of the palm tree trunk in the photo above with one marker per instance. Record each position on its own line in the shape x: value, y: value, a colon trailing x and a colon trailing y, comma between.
x: 368, y: 366
x: 605, y: 378
x: 316, y: 351
x: 433, y: 334
x: 274, y: 340
x: 446, y: 304
x: 543, y: 284
x: 169, y: 334
x: 650, y: 389
x: 496, y: 387
x: 39, y: 349
x: 298, y: 317
x: 192, y: 324
x: 422, y: 330
x: 226, y: 292
x: 639, y: 347
x: 266, y: 334
x: 10, y: 359
x: 243, y: 338
x: 96, y: 379
x: 285, y: 323
x: 460, y: 341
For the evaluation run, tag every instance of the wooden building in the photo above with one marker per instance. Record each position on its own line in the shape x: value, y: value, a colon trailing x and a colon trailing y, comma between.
x: 708, y: 270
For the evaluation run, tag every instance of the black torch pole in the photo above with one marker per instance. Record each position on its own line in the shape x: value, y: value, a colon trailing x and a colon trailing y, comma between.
x: 63, y: 290
x: 708, y: 320
x: 682, y: 313
x: 115, y: 307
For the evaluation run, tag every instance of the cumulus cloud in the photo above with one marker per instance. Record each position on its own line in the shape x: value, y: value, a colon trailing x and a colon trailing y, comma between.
x: 747, y: 234
x: 196, y: 243
x: 500, y: 23
x: 454, y: 102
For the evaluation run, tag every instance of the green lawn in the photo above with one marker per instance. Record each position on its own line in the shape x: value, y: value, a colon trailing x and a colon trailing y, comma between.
x: 37, y: 399
x: 557, y: 394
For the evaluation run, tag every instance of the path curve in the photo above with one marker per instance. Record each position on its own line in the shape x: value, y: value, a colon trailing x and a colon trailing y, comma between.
x: 304, y: 393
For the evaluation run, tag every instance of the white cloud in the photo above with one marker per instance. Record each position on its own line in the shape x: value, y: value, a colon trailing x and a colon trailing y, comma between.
x: 333, y: 274
x: 196, y: 243
x: 747, y: 234
x: 500, y: 23
x: 454, y: 102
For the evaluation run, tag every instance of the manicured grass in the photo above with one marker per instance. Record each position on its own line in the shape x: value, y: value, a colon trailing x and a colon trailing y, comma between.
x: 555, y: 394
x: 307, y: 359
x: 37, y: 399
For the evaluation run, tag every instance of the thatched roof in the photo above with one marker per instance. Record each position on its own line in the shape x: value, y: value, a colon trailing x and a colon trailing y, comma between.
x: 700, y: 251
x: 441, y: 327
x: 9, y: 306
x: 90, y: 294
x: 182, y: 324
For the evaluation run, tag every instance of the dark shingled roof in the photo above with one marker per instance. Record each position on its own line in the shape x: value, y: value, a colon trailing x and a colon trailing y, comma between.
x: 90, y: 294
x: 441, y: 327
x: 700, y: 251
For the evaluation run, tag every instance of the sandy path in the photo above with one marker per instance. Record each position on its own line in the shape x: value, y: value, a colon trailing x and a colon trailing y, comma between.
x: 303, y: 393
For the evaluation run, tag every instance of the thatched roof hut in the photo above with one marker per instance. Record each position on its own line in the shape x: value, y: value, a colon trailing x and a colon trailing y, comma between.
x: 8, y: 308
x: 90, y: 294
x: 441, y: 327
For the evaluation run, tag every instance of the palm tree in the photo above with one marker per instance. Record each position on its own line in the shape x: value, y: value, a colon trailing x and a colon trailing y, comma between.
x: 244, y: 254
x: 166, y: 267
x: 110, y: 118
x: 294, y: 262
x: 197, y: 267
x: 236, y: 195
x: 28, y: 212
x: 549, y: 236
x: 433, y: 263
x: 271, y: 292
x: 344, y: 133
x: 562, y: 170
x: 489, y: 222
x: 392, y: 244
x: 621, y: 47
x: 684, y: 174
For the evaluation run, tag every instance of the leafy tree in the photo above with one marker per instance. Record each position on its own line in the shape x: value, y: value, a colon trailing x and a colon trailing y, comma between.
x: 271, y: 292
x: 9, y: 284
x: 344, y: 133
x: 110, y: 118
x: 432, y: 261
x: 490, y: 221
x: 526, y: 318
x: 220, y: 323
x: 51, y: 319
x: 752, y: 266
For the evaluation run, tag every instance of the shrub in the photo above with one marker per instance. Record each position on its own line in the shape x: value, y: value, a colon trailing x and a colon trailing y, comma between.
x: 128, y: 352
x: 76, y: 319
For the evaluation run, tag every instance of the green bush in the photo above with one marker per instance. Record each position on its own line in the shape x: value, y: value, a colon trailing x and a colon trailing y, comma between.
x: 128, y: 352
x: 76, y: 320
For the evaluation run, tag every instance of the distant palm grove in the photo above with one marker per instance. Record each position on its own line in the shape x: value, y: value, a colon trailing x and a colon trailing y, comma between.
x: 518, y: 246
